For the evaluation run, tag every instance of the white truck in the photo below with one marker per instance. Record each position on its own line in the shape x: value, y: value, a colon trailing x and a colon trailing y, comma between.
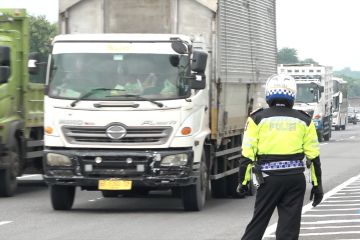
x: 340, y: 104
x: 314, y: 94
x: 109, y: 128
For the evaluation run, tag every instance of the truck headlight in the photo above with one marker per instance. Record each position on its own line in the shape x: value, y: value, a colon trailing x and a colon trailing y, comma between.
x: 54, y: 159
x: 174, y: 160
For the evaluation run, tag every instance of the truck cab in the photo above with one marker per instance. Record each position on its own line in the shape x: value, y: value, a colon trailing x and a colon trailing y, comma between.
x: 125, y: 112
x: 21, y: 102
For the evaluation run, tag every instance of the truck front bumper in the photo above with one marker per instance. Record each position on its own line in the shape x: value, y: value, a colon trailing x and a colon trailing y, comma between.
x: 142, y: 167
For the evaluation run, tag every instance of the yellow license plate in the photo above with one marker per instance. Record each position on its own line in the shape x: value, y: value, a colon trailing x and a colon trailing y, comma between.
x: 114, y: 184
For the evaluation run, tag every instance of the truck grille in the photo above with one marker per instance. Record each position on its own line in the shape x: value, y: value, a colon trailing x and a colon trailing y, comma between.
x: 115, y: 166
x: 134, y: 135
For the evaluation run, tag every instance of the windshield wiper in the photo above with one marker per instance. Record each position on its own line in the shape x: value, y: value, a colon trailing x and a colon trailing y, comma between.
x: 137, y: 97
x: 91, y: 92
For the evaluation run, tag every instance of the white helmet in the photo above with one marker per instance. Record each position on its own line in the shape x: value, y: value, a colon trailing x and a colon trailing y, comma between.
x: 280, y: 88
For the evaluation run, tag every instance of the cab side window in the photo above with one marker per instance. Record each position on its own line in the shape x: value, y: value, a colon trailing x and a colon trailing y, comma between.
x: 4, y: 64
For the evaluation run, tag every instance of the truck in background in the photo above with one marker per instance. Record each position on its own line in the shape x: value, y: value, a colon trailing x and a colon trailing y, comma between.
x: 314, y: 94
x: 340, y: 104
x: 111, y: 137
x: 21, y: 102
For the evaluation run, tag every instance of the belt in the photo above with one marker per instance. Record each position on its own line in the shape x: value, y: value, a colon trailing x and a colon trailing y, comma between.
x: 282, y: 165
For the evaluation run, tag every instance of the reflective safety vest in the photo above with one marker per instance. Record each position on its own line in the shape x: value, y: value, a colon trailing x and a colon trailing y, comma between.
x: 279, y: 138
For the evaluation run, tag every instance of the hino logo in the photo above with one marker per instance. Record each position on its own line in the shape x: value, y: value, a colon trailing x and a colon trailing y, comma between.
x: 116, y: 132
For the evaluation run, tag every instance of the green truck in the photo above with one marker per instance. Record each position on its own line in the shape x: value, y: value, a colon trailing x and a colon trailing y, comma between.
x: 21, y: 102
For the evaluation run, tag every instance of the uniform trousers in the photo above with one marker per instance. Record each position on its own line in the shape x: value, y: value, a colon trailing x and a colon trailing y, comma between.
x: 286, y: 193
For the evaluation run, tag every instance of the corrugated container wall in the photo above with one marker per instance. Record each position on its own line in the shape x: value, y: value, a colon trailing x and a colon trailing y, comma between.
x: 240, y: 36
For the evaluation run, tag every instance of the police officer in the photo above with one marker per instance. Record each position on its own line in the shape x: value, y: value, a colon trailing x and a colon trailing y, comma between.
x: 276, y: 140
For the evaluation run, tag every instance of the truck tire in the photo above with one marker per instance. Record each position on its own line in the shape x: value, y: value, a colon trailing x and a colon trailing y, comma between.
x: 62, y: 197
x: 8, y: 182
x: 218, y: 188
x: 232, y: 182
x: 194, y: 196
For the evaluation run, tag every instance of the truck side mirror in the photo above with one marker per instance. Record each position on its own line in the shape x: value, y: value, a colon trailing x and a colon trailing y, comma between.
x: 199, y: 60
x: 174, y: 60
x: 198, y: 81
x: 321, y: 89
x: 4, y: 74
x: 34, y: 59
x: 179, y: 46
x: 4, y: 56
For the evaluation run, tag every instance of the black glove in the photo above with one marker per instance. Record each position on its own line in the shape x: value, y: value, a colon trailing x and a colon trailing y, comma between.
x: 316, y: 193
x: 242, y: 190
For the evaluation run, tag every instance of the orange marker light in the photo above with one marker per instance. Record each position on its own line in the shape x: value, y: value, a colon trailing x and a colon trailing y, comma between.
x: 186, y: 131
x: 49, y: 130
x: 317, y: 116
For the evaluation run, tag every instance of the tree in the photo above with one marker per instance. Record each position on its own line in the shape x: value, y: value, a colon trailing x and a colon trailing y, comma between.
x: 309, y: 60
x: 41, y: 33
x: 353, y: 85
x: 287, y: 56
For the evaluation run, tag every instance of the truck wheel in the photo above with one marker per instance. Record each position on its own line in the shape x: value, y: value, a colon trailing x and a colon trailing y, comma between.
x: 62, y: 197
x: 8, y: 183
x: 343, y: 127
x: 232, y: 182
x: 109, y: 194
x: 194, y: 196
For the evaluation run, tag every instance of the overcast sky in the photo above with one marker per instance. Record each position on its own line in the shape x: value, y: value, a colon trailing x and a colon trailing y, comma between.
x: 49, y: 8
x: 324, y: 30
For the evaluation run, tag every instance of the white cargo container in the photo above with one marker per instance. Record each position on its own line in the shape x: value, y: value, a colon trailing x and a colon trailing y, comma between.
x: 314, y: 94
x: 340, y: 104
x: 181, y: 142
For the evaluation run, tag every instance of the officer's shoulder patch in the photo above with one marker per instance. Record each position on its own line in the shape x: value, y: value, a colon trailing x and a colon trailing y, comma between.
x: 303, y: 112
x: 256, y: 111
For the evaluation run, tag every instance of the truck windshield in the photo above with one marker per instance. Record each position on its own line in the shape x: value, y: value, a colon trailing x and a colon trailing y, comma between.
x: 307, y: 93
x: 151, y: 76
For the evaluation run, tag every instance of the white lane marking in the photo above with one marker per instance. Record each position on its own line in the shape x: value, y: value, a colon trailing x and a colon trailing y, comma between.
x: 330, y: 215
x: 338, y: 205
x: 326, y: 227
x: 5, y: 222
x: 329, y: 233
x: 350, y: 190
x: 333, y: 201
x: 331, y: 221
x: 271, y: 229
x: 333, y: 209
x: 93, y: 200
x: 342, y: 197
x: 29, y: 176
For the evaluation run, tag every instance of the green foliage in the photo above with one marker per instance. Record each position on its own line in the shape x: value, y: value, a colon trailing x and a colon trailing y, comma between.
x: 309, y: 60
x: 353, y: 80
x: 287, y: 56
x: 41, y: 34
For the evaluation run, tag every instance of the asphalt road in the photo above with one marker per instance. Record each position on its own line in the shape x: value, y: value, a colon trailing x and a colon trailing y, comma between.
x: 29, y: 214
